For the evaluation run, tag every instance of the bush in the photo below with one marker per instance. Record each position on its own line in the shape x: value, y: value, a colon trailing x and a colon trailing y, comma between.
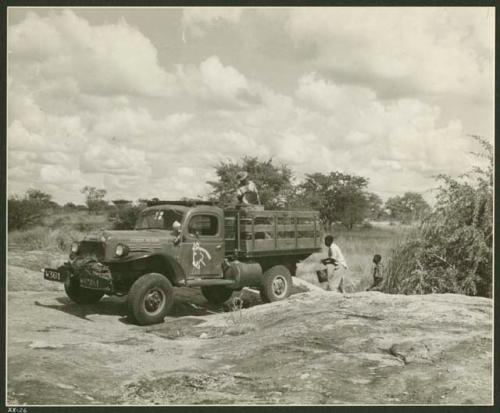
x: 27, y: 211
x: 452, y: 249
x: 125, y: 217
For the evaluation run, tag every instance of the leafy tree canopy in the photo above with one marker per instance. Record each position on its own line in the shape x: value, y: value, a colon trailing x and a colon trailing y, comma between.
x: 273, y: 182
x: 407, y: 208
x: 337, y: 196
x: 94, y: 198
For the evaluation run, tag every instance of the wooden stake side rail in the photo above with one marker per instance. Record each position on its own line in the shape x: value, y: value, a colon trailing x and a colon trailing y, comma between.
x: 259, y: 233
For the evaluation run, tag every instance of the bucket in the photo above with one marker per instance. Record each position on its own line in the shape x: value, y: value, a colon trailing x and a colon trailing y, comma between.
x: 322, y: 275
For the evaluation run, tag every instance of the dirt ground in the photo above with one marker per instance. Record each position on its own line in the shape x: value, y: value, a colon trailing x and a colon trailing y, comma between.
x: 314, y: 348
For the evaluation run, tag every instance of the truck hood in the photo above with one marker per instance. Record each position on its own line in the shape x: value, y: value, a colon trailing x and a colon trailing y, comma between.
x: 135, y: 239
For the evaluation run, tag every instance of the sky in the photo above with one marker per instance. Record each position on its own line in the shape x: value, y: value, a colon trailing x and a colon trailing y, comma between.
x: 145, y: 102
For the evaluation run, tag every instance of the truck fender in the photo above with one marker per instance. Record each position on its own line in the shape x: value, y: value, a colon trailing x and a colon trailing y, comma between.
x: 173, y: 270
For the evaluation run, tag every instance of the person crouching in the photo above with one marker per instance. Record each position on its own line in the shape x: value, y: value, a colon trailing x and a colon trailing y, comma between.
x: 331, y: 277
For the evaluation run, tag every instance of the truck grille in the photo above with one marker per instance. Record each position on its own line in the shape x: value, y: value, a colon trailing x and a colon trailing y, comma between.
x: 91, y: 248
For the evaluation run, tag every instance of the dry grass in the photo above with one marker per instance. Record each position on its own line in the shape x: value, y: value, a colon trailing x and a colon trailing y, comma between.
x: 57, y: 232
x: 77, y: 220
x: 358, y: 247
x: 43, y: 238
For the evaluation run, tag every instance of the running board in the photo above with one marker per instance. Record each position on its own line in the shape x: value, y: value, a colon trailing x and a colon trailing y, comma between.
x: 208, y: 282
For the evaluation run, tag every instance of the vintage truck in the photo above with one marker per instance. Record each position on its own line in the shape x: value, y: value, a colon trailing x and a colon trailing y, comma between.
x: 195, y: 244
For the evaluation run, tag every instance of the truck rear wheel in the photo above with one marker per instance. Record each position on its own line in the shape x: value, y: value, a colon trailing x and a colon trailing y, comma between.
x: 150, y: 299
x: 81, y: 295
x: 276, y: 284
x: 216, y: 294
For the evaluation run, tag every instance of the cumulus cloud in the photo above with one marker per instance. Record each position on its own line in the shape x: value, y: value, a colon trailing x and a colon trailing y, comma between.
x: 401, y: 135
x: 217, y: 86
x: 109, y: 59
x: 418, y: 51
x: 84, y: 110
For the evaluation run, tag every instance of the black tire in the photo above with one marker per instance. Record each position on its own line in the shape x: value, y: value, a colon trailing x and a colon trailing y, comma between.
x: 216, y: 294
x: 150, y: 299
x: 276, y: 284
x: 81, y: 295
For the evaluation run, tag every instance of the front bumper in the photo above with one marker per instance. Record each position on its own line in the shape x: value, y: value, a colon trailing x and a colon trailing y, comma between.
x: 90, y: 274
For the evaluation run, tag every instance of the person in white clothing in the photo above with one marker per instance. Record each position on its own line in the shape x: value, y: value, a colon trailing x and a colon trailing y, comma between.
x: 333, y: 263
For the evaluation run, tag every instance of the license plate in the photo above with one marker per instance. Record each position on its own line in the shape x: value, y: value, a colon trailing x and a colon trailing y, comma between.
x: 94, y: 283
x: 52, y: 275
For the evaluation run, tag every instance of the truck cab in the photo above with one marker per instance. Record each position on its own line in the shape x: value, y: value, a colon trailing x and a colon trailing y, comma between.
x: 197, y: 244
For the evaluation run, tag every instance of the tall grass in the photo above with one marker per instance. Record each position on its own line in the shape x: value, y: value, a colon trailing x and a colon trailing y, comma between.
x: 56, y: 232
x: 362, y: 243
x: 43, y: 238
x: 358, y: 246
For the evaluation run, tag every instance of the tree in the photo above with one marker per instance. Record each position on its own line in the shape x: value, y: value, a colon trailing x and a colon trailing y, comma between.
x: 94, y: 199
x: 29, y: 210
x: 407, y: 208
x: 69, y: 206
x: 39, y: 197
x: 337, y: 197
x: 374, y: 206
x: 274, y: 183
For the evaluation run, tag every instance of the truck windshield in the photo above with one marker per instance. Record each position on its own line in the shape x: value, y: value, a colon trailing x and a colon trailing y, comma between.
x: 158, y: 219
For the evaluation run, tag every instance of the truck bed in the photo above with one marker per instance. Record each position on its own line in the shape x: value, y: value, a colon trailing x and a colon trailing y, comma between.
x: 257, y: 233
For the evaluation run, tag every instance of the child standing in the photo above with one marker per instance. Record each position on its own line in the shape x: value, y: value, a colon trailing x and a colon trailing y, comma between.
x: 377, y: 268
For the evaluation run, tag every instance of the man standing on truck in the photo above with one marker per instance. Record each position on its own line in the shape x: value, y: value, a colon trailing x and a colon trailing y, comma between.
x: 333, y: 262
x: 247, y: 193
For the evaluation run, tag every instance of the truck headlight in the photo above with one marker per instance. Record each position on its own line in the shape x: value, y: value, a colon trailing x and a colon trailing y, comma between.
x: 121, y: 250
x: 74, y: 247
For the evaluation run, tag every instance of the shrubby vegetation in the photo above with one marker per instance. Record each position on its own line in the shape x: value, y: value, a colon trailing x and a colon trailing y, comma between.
x: 126, y: 213
x: 29, y: 210
x: 451, y: 251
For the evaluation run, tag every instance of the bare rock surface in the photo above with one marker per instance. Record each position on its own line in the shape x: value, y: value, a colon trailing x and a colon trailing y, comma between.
x: 316, y: 347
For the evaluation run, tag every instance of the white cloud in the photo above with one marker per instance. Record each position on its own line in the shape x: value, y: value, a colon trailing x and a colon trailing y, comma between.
x: 216, y: 86
x: 103, y: 157
x: 58, y: 175
x: 109, y: 59
x: 220, y: 79
x: 420, y: 50
x: 148, y: 132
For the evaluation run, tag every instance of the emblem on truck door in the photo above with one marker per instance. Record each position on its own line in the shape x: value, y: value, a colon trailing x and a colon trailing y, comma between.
x: 199, y: 255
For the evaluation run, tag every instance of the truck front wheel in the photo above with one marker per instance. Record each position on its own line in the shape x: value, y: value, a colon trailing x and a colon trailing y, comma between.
x: 80, y: 295
x: 150, y: 299
x: 216, y: 294
x: 276, y: 284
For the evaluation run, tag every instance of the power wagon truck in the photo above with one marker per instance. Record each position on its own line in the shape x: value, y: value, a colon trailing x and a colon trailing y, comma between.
x: 190, y: 244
